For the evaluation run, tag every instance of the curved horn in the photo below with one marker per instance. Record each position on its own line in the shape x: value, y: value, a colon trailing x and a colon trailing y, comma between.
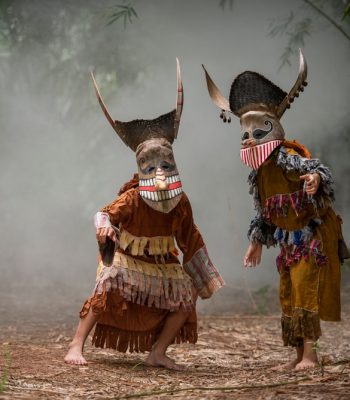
x: 297, y: 88
x: 179, y: 99
x: 215, y: 93
x: 102, y: 104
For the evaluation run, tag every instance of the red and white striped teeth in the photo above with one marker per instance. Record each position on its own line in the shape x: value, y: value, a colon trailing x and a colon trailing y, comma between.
x: 151, y: 182
x: 147, y: 182
x: 254, y: 156
x: 148, y: 190
x: 160, y: 195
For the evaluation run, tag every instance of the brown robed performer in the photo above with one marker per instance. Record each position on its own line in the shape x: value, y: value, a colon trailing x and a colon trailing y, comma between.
x: 293, y: 198
x: 144, y: 298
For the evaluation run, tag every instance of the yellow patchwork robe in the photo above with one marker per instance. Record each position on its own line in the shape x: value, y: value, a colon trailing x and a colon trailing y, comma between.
x: 308, y: 232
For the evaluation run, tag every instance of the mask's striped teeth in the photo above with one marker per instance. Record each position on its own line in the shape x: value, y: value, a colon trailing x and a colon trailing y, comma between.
x: 161, y: 195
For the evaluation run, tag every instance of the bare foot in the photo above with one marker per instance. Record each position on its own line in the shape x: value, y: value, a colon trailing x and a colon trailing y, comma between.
x: 309, y: 359
x: 305, y: 364
x: 161, y: 360
x: 289, y: 366
x: 75, y: 355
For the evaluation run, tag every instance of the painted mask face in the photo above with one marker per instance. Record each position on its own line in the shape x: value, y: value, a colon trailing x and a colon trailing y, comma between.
x: 159, y: 182
x: 259, y: 127
x: 261, y: 134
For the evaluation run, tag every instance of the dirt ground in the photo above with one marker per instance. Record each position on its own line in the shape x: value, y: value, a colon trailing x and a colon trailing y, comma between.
x: 232, y: 359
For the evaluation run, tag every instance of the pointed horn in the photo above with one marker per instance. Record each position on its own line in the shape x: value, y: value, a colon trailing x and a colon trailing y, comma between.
x: 215, y: 93
x: 102, y: 104
x: 297, y: 88
x: 179, y: 99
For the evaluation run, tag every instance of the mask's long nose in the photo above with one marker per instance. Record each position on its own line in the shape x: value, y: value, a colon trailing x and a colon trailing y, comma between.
x: 160, y: 181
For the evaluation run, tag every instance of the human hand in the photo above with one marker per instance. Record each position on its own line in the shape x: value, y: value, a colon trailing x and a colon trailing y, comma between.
x: 253, y: 255
x: 103, y: 233
x: 312, y: 182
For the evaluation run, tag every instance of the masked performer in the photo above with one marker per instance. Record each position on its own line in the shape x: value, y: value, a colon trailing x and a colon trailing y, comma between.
x: 144, y: 299
x: 292, y: 195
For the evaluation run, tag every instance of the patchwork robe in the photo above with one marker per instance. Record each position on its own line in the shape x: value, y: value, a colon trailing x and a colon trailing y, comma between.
x: 308, y: 232
x: 146, y: 280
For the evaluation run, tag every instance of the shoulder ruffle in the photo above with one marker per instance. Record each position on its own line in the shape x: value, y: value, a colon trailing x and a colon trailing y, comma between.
x: 295, y: 162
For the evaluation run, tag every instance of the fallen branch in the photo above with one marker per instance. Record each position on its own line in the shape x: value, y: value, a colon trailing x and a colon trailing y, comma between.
x: 211, y: 388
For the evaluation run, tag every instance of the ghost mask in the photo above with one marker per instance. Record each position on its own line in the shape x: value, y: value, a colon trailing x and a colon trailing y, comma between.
x: 159, y: 181
x: 259, y: 104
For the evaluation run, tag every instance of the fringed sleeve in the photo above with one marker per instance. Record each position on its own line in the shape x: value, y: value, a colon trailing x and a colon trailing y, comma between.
x: 196, y: 261
x: 261, y: 232
x: 294, y: 162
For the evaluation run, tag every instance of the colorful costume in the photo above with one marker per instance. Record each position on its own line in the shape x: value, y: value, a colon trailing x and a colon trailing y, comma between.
x: 144, y: 280
x: 305, y: 227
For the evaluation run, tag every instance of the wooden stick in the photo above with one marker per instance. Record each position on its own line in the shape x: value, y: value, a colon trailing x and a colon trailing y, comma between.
x: 219, y: 388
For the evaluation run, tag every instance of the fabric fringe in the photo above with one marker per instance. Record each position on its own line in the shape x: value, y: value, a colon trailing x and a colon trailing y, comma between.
x: 301, y: 325
x: 122, y: 341
x: 294, y: 162
x: 302, y: 236
x: 261, y: 232
x: 280, y: 204
x: 205, y: 276
x: 164, y: 286
x: 253, y: 190
x: 292, y: 254
x: 157, y: 245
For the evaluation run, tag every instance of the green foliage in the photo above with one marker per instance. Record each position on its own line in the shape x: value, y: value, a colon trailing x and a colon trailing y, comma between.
x: 42, y: 54
x: 5, y: 369
x: 224, y: 3
x: 296, y: 31
x: 316, y: 346
x: 126, y: 13
x: 346, y: 11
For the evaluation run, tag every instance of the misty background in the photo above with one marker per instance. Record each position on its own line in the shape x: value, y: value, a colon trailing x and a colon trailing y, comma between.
x: 60, y: 161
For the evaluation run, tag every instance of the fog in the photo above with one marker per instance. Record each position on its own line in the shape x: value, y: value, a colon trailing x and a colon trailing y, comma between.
x: 61, y: 161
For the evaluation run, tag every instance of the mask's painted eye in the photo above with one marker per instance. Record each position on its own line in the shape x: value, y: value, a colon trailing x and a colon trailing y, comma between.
x: 260, y: 134
x: 245, y: 136
x: 165, y: 166
x: 149, y: 170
